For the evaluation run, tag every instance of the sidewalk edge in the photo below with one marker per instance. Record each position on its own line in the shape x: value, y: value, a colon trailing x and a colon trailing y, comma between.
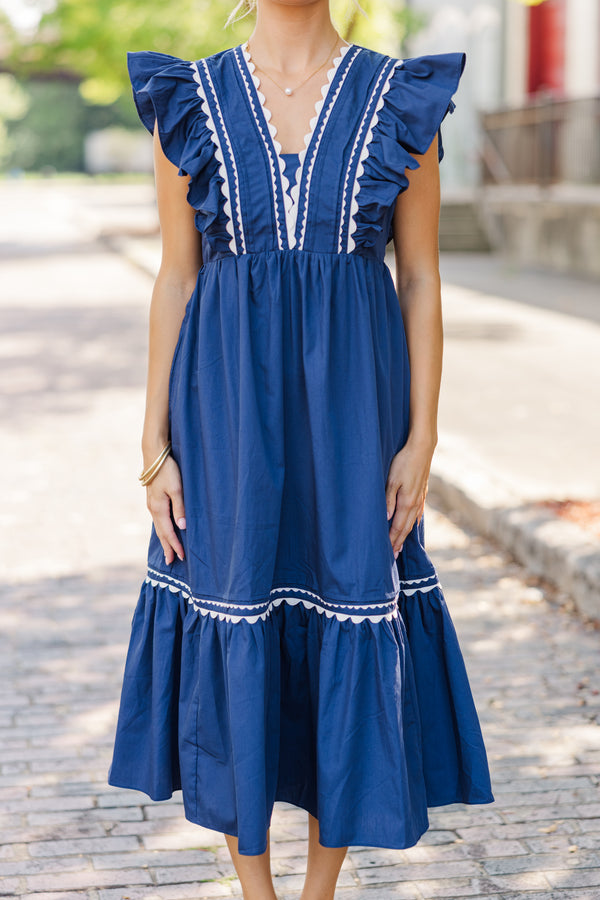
x: 551, y: 548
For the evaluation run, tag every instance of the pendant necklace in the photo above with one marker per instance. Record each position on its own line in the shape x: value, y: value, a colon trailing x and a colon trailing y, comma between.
x: 288, y: 91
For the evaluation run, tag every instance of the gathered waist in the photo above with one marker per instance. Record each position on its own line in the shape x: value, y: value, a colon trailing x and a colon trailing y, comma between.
x: 294, y: 253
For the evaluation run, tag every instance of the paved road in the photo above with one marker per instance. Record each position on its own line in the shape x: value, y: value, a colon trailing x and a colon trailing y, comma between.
x: 521, y: 384
x: 73, y: 530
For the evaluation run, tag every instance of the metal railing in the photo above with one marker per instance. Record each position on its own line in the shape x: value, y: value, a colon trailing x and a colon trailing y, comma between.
x: 545, y: 142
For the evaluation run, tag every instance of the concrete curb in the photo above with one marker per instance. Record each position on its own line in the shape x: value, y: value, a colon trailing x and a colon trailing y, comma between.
x: 549, y: 547
x: 142, y: 252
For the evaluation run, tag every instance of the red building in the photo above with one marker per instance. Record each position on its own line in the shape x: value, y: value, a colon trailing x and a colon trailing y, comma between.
x: 546, y: 60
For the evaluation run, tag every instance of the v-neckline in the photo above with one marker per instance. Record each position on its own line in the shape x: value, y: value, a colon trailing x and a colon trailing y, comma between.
x: 291, y: 199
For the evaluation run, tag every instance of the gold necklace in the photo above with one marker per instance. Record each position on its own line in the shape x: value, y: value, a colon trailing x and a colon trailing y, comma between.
x: 288, y: 91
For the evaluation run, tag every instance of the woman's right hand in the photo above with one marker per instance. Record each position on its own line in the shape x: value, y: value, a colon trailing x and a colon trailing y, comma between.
x: 164, y: 495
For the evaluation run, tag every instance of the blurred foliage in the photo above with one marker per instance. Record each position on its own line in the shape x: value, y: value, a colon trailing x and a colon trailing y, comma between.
x: 385, y: 25
x: 8, y: 35
x: 90, y: 39
x: 52, y: 131
x: 36, y: 141
x: 73, y: 76
x: 14, y: 105
x: 14, y: 99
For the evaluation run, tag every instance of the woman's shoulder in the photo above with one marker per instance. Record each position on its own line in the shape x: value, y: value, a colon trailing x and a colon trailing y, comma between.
x: 379, y: 55
x: 154, y: 61
x: 165, y: 92
x: 415, y: 97
x: 421, y: 90
x: 160, y: 80
x: 416, y: 89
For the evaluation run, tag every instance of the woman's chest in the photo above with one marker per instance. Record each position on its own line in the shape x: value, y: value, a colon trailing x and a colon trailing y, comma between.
x: 315, y: 211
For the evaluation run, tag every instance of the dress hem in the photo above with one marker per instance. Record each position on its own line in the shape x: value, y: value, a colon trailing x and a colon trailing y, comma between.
x: 283, y: 797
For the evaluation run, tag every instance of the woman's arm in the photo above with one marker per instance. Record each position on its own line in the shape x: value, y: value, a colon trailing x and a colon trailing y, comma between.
x: 415, y: 231
x: 180, y: 262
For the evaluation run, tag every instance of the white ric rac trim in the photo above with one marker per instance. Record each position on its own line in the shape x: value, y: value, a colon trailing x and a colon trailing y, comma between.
x: 308, y: 136
x: 419, y: 585
x: 365, y: 150
x: 239, y: 612
x: 225, y: 188
x: 272, y: 162
x: 290, y: 199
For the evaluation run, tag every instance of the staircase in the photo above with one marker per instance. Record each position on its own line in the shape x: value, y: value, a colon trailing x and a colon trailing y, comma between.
x: 460, y: 224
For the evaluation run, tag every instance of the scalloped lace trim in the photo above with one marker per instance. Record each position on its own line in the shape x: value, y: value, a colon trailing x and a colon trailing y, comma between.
x: 365, y: 152
x: 219, y: 156
x: 290, y: 199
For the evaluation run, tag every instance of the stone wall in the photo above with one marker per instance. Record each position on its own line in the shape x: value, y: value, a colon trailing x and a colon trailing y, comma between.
x: 555, y: 227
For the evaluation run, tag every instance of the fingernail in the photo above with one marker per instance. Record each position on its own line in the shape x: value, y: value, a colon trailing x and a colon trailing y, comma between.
x: 180, y: 557
x: 181, y: 523
x: 166, y: 560
x: 396, y: 554
x: 389, y: 515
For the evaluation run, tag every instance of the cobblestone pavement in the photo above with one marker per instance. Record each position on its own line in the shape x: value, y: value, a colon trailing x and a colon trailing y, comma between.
x: 73, y: 531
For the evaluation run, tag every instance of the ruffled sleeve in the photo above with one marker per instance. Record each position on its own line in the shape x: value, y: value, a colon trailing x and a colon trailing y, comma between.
x: 159, y: 83
x: 419, y: 98
x: 165, y: 90
x: 416, y: 100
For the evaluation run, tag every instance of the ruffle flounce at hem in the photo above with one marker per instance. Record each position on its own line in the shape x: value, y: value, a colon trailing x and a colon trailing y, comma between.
x: 362, y: 724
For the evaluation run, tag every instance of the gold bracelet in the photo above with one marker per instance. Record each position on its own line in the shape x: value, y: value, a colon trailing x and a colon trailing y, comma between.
x: 151, y: 472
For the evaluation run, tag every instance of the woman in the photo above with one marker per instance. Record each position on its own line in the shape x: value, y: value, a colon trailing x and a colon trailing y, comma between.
x: 291, y: 641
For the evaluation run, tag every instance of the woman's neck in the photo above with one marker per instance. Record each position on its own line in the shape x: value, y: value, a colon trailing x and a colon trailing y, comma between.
x: 289, y: 38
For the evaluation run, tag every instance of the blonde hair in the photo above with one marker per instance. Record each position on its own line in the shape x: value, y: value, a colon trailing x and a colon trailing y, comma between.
x: 245, y: 7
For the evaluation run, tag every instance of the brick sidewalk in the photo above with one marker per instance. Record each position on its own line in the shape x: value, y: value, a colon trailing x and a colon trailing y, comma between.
x: 66, y: 834
x: 73, y: 531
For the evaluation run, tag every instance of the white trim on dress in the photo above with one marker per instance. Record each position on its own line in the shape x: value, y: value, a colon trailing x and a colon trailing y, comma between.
x: 375, y: 612
x: 272, y: 162
x: 350, y: 243
x: 290, y: 200
x: 225, y: 187
x: 308, y: 137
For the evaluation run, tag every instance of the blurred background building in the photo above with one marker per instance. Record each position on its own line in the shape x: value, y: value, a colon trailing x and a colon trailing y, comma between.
x: 523, y: 164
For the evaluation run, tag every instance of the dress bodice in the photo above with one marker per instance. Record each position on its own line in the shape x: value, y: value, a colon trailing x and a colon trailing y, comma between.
x: 376, y: 114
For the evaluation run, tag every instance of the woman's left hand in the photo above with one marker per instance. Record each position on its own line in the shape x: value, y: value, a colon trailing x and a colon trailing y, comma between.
x: 406, y: 489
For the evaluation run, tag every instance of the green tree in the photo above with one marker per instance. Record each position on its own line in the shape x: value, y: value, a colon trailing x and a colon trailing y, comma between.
x: 73, y: 69
x: 90, y: 39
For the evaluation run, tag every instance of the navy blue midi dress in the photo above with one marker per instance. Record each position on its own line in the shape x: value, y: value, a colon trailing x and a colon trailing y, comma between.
x: 290, y: 656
